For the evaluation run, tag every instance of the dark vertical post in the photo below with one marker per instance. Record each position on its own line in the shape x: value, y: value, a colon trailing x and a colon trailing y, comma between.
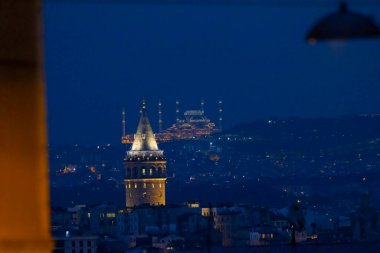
x: 24, y: 191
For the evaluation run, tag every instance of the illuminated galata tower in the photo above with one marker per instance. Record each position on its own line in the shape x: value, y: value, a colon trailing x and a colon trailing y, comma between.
x: 145, y: 167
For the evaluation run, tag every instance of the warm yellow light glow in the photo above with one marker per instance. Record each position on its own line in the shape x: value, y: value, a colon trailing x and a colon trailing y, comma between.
x: 111, y: 215
x: 193, y: 205
x: 145, y: 179
x: 205, y: 211
x: 92, y: 169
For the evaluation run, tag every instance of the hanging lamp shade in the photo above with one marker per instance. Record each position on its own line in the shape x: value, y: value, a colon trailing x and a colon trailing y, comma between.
x: 343, y: 24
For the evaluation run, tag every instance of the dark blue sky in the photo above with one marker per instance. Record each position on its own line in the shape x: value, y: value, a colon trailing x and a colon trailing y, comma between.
x: 103, y: 57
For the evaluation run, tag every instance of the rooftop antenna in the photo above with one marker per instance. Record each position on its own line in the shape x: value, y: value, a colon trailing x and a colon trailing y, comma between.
x: 123, y: 122
x: 159, y: 116
x: 202, y: 106
x: 177, y: 110
x: 220, y: 105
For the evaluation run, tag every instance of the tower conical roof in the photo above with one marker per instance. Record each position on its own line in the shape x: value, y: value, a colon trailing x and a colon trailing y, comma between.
x: 144, y: 139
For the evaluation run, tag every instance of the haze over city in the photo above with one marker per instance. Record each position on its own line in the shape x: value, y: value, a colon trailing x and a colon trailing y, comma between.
x: 102, y: 57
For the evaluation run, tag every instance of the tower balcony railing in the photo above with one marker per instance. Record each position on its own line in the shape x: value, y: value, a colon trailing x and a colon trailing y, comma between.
x: 145, y: 156
x: 155, y: 176
x: 144, y: 159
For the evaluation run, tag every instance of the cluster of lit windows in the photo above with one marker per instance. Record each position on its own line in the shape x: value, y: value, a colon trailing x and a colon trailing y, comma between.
x: 144, y: 171
x: 111, y: 215
x: 145, y: 185
x: 102, y: 215
x: 263, y: 236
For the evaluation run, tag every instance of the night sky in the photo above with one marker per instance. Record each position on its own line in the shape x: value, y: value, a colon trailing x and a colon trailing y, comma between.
x: 102, y: 57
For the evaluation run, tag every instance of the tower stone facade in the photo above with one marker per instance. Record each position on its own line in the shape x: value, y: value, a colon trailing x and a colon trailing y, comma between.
x: 145, y: 167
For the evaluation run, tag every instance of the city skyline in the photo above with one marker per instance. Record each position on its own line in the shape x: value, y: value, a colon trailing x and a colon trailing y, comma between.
x: 275, y: 183
x: 279, y: 181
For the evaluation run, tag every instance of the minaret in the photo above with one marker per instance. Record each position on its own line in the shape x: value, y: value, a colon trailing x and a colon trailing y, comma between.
x: 123, y: 122
x: 177, y: 110
x: 220, y: 105
x: 202, y: 106
x: 145, y: 167
x: 159, y: 116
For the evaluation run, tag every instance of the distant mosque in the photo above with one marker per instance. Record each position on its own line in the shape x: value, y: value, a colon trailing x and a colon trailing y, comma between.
x: 145, y: 167
x: 194, y: 125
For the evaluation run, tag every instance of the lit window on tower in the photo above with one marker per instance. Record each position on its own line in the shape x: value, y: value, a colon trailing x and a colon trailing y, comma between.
x: 135, y: 185
x: 144, y: 185
x: 152, y: 185
x: 143, y: 171
x: 150, y: 171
